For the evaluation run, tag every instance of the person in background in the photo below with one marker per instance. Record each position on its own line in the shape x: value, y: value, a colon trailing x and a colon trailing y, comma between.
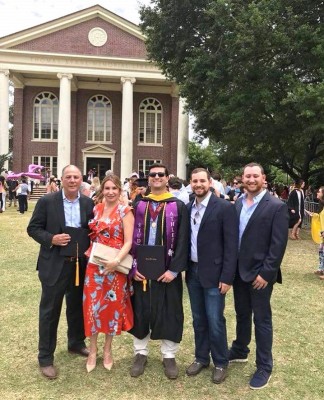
x: 217, y: 185
x: 51, y: 187
x: 85, y: 188
x: 175, y: 187
x: 106, y: 295
x: 53, y: 214
x: 23, y: 191
x: 318, y: 230
x: 12, y: 184
x: 141, y: 190
x: 237, y: 191
x: 95, y: 185
x: 2, y: 190
x: 295, y: 205
x: 284, y: 193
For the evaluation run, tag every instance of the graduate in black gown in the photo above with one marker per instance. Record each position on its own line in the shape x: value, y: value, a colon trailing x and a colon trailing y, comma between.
x: 160, y: 220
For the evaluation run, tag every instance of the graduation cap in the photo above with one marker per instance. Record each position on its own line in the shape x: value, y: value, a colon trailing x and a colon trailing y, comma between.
x: 141, y: 182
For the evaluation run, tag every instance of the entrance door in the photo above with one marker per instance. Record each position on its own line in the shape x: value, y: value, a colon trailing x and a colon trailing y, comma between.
x: 100, y: 165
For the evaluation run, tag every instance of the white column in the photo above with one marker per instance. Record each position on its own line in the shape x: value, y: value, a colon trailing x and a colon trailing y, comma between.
x: 126, y: 153
x: 183, y: 137
x: 4, y: 113
x: 64, y: 123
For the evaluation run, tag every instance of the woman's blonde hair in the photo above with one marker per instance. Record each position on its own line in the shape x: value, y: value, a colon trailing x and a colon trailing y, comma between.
x: 112, y: 178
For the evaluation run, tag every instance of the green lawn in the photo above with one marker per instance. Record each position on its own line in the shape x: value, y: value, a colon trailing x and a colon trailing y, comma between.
x: 298, y: 341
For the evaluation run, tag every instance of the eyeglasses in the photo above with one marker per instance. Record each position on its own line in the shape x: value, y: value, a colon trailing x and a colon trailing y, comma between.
x: 159, y: 174
x: 196, y: 218
x: 235, y: 183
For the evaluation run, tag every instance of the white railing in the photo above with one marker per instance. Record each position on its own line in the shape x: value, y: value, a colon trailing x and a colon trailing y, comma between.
x: 312, y: 207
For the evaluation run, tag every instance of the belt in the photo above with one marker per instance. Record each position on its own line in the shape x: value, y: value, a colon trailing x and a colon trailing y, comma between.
x: 70, y: 259
x: 194, y: 263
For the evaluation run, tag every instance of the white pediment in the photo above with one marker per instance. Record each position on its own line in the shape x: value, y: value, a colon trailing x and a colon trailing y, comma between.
x: 98, y: 149
x: 67, y: 21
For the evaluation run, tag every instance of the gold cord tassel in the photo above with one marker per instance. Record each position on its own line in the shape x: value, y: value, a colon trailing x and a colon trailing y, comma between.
x: 77, y: 272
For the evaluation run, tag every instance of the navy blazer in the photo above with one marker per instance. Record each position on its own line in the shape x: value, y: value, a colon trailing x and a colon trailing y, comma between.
x: 48, y: 220
x: 217, y: 243
x: 264, y: 240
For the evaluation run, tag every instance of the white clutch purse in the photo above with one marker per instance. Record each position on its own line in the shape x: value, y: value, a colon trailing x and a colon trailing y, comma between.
x: 102, y: 253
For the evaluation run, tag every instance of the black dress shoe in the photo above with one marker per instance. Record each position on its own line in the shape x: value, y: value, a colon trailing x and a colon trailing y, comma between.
x: 195, y: 368
x: 50, y: 372
x: 84, y: 352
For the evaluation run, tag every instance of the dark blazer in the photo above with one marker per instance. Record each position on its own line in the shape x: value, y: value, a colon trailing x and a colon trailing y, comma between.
x: 264, y: 240
x: 217, y: 243
x: 48, y: 220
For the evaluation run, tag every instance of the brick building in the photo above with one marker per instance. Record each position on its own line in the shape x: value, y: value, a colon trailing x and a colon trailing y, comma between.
x: 85, y: 94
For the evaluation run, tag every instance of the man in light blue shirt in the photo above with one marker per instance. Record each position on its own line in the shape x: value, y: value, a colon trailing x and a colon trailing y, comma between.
x: 263, y: 237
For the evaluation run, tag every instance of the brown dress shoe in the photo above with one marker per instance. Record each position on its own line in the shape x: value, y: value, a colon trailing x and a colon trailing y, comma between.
x: 138, y: 366
x: 50, y: 372
x: 219, y: 375
x: 84, y: 352
x: 195, y: 368
x: 171, y: 370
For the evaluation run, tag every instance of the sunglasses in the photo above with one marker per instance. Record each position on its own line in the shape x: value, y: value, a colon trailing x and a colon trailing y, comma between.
x: 159, y: 174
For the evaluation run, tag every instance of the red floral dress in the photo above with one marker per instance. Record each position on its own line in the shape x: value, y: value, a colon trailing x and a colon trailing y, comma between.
x: 106, y: 298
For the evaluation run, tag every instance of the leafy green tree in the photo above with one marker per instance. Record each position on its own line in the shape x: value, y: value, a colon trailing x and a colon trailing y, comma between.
x: 202, y: 157
x: 252, y: 74
x: 3, y: 159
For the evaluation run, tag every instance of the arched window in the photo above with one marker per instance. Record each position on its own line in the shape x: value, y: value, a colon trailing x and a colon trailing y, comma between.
x: 150, y: 122
x: 99, y: 119
x: 45, y: 116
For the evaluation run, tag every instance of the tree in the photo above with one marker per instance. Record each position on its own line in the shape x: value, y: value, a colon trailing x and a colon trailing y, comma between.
x: 252, y: 75
x: 202, y: 157
x: 3, y: 159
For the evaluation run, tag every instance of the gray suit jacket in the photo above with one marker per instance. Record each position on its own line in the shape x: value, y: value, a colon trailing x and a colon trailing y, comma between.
x: 48, y: 220
x: 264, y: 240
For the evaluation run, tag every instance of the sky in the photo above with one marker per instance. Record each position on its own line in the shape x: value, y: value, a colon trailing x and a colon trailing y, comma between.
x: 16, y: 15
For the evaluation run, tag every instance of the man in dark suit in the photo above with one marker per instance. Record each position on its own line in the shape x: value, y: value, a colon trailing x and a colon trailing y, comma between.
x: 263, y: 239
x: 213, y: 261
x: 58, y: 273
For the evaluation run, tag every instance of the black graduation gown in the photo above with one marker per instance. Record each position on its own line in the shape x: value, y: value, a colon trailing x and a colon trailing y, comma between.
x: 159, y: 309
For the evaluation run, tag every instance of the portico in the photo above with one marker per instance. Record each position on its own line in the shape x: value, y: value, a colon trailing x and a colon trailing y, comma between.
x: 72, y: 98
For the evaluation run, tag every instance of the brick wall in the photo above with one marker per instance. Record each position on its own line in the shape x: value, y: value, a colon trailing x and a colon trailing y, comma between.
x: 25, y: 148
x: 74, y: 40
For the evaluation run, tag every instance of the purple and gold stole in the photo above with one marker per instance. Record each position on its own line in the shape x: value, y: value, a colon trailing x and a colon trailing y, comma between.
x: 171, y: 229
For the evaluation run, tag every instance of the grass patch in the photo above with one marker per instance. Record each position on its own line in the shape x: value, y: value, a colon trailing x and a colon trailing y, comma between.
x: 298, y: 338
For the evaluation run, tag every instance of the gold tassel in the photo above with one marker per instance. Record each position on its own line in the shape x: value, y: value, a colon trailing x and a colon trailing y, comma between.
x: 144, y: 285
x: 77, y: 275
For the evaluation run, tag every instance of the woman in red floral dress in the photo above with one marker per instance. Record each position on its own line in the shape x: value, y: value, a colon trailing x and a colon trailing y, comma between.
x: 106, y: 295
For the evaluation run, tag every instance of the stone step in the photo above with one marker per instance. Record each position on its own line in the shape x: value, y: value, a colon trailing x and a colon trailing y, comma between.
x: 38, y: 192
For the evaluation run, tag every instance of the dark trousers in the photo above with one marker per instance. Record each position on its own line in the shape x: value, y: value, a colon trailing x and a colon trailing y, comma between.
x: 23, y: 205
x: 207, y: 307
x: 50, y: 311
x: 247, y: 301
